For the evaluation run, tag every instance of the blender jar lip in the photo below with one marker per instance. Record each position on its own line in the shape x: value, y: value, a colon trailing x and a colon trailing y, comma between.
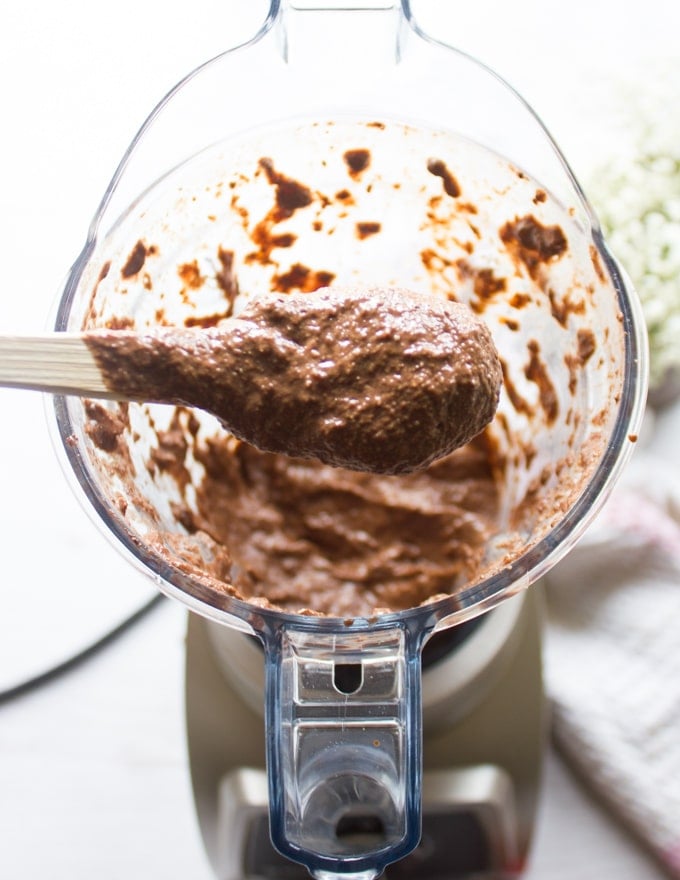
x: 459, y: 606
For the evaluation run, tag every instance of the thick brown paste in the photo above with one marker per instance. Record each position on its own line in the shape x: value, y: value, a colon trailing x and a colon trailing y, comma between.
x: 374, y: 380
x: 292, y: 533
x: 305, y: 537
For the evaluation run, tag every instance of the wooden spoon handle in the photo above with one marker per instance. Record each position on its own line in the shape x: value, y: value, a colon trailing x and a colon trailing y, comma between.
x: 60, y: 363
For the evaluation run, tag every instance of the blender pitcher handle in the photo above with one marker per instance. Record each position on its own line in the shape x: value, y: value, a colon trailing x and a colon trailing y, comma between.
x: 343, y: 717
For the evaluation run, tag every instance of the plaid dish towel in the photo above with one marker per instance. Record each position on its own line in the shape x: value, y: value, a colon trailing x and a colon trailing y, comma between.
x: 612, y: 658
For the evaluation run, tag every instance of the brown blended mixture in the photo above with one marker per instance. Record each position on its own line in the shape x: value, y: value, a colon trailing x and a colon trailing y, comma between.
x: 305, y: 537
x: 377, y: 380
x: 294, y: 533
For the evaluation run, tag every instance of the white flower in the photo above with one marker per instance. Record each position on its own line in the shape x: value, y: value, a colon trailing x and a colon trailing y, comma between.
x: 637, y: 199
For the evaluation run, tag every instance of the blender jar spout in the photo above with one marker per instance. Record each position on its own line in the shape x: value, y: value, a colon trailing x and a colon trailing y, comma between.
x: 318, y: 34
x: 344, y: 751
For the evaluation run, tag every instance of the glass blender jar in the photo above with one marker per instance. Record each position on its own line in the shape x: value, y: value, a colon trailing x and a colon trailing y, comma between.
x: 343, y: 145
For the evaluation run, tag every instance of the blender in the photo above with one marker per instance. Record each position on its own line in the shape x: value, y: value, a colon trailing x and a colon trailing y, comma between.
x: 408, y: 738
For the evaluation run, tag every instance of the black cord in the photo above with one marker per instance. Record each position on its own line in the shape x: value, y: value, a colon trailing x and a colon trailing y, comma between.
x: 76, y: 659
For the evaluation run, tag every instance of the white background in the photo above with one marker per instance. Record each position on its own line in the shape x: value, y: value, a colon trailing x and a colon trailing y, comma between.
x: 93, y: 779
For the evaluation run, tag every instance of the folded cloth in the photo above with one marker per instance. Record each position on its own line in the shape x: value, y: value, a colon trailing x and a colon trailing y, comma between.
x: 612, y: 655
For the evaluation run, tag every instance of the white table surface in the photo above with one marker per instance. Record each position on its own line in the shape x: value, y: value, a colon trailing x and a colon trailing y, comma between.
x: 93, y: 773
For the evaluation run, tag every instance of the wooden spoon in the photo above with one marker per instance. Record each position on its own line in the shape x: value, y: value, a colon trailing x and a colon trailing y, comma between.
x: 379, y: 380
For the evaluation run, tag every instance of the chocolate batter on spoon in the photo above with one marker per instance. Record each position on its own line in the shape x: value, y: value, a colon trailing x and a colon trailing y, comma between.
x: 371, y: 379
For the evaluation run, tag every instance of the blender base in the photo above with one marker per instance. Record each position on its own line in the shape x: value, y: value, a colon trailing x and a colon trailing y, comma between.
x: 481, y: 769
